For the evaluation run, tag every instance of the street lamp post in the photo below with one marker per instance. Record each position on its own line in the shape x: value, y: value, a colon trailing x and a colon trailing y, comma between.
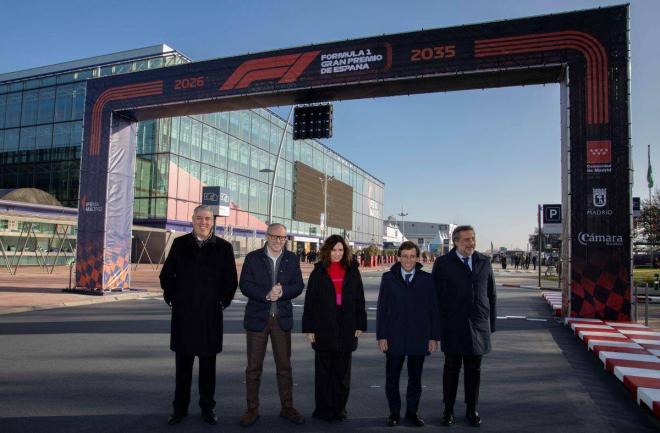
x: 403, y: 214
x: 324, y: 184
x: 271, y: 185
x: 277, y: 162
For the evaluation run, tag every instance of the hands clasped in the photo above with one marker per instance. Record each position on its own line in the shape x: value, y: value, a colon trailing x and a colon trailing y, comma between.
x: 275, y: 293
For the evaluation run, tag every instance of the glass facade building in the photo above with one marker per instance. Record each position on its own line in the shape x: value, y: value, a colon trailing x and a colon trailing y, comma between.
x: 41, y: 112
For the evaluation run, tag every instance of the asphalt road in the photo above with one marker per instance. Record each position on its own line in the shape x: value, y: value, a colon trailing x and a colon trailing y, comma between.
x: 107, y: 368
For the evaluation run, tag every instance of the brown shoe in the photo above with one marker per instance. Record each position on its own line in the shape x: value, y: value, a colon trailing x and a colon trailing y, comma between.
x: 292, y: 415
x: 250, y: 417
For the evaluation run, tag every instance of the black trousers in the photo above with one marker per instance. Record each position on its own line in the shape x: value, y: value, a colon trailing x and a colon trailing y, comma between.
x: 393, y: 366
x: 332, y: 382
x: 471, y: 376
x: 184, y: 370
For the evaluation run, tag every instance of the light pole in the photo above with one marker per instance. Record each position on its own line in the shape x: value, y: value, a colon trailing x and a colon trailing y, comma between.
x: 277, y: 162
x: 270, y: 196
x: 403, y: 214
x: 324, y: 184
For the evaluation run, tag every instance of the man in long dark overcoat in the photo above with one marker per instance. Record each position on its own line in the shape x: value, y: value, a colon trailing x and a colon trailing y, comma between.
x: 466, y: 297
x: 199, y: 280
x: 407, y: 322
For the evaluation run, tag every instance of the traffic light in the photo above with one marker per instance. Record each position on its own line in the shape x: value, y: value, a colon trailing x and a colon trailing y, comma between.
x: 312, y: 121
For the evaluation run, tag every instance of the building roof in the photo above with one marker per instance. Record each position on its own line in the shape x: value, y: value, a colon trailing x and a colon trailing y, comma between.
x: 137, y: 53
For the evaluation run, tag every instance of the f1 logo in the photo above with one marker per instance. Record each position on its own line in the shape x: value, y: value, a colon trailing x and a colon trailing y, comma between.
x: 287, y: 68
x: 551, y: 214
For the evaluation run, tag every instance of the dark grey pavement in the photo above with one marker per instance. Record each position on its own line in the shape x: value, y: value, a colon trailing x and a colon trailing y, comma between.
x: 107, y: 368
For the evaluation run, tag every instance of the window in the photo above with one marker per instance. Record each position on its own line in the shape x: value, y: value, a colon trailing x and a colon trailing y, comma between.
x: 219, y: 178
x: 76, y: 134
x: 174, y: 142
x: 235, y: 123
x: 184, y: 137
x: 264, y: 136
x: 155, y: 63
x: 275, y: 137
x: 256, y: 130
x: 162, y: 168
x: 244, y: 158
x: 63, y: 79
x: 232, y: 155
x: 3, y: 108
x: 232, y: 186
x: 223, y: 121
x: 11, y: 139
x: 318, y: 161
x: 208, y: 145
x: 63, y: 103
x: 243, y: 192
x: 30, y: 106
x: 46, y: 105
x: 164, y: 127
x: 145, y: 137
x: 13, y: 110
x: 306, y: 153
x: 221, y: 142
x: 196, y: 140
x: 62, y: 135
x: 83, y: 75
x: 245, y: 126
x: 78, y: 107
x: 28, y: 136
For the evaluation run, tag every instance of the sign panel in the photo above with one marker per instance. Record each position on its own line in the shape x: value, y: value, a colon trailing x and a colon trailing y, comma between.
x: 552, y: 218
x: 637, y: 207
x: 218, y: 198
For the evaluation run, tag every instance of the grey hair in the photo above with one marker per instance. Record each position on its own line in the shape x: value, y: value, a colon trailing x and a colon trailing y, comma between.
x: 274, y: 226
x: 202, y: 207
x: 456, y: 234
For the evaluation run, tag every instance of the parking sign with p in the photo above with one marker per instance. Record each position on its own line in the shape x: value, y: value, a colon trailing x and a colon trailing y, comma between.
x: 552, y: 218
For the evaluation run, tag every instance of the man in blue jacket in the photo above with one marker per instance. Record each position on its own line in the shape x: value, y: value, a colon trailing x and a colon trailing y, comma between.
x: 407, y: 322
x: 270, y: 279
x: 466, y: 296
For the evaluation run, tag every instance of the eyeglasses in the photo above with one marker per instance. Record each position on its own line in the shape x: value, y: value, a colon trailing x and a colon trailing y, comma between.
x: 277, y: 238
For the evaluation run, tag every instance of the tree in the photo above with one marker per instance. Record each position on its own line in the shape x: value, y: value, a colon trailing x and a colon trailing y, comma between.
x: 647, y: 226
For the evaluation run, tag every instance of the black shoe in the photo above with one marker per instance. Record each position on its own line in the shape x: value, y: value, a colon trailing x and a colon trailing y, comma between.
x: 393, y: 420
x: 413, y: 418
x: 341, y: 415
x: 322, y: 416
x: 176, y: 418
x: 473, y: 418
x: 209, y: 417
x: 448, y: 418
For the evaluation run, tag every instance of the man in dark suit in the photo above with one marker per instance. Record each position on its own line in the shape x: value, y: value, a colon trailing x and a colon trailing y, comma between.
x: 270, y: 279
x: 198, y: 281
x: 406, y: 326
x: 466, y: 296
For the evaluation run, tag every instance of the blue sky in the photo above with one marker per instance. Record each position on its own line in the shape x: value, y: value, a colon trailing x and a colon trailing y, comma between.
x: 484, y: 157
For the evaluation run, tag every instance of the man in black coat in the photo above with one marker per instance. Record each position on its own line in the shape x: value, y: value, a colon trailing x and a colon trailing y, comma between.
x: 466, y: 296
x: 198, y: 281
x: 270, y: 279
x: 407, y: 322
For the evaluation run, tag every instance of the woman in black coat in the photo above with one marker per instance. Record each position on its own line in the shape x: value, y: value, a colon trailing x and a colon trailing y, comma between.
x: 333, y: 319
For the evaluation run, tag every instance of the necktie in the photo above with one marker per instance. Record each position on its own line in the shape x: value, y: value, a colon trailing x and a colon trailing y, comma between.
x: 408, y: 279
x: 466, y: 260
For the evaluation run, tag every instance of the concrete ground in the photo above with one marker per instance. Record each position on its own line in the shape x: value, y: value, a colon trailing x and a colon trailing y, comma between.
x: 107, y: 368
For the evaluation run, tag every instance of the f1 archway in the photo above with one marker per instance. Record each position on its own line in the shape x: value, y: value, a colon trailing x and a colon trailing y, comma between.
x: 586, y: 52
